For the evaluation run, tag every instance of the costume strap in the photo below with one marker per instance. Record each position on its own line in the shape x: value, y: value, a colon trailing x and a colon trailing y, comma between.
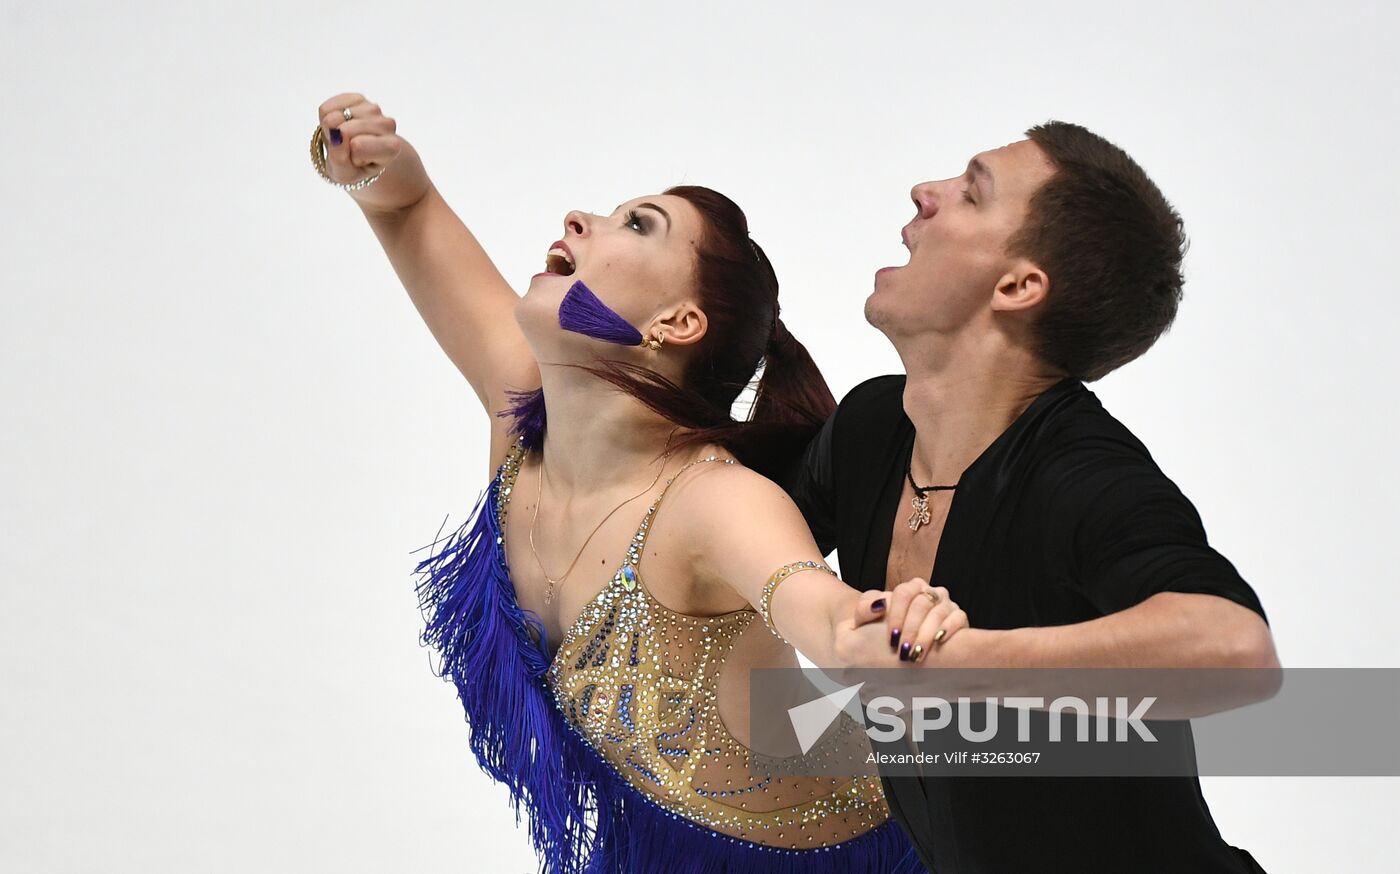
x: 639, y: 540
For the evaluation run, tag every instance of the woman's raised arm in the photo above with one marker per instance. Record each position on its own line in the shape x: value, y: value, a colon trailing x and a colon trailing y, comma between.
x: 466, y: 303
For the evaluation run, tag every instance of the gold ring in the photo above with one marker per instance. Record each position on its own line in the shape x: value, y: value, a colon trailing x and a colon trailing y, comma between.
x: 931, y: 595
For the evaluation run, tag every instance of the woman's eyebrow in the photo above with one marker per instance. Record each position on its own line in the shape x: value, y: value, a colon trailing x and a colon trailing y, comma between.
x: 660, y: 210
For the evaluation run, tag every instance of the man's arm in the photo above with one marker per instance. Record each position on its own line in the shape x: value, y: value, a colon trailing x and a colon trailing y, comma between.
x: 1168, y: 630
x: 1124, y: 537
x: 1171, y: 631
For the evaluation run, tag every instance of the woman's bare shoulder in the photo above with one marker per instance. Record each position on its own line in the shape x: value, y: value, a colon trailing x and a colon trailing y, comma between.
x: 727, y: 495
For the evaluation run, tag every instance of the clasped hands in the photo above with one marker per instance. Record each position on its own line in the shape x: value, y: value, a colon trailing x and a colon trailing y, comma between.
x: 912, y: 624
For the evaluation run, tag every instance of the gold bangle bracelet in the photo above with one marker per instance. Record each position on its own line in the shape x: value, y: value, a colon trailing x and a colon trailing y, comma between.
x: 765, y: 601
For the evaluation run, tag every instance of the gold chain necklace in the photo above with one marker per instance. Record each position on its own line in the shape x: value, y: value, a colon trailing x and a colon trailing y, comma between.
x: 539, y: 492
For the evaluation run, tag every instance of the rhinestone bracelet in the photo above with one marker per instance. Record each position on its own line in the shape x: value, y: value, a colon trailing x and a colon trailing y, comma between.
x: 765, y: 601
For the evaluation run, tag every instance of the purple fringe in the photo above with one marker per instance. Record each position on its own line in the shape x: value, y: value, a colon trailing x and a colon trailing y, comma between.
x: 484, y: 639
x: 582, y: 312
x: 527, y: 409
x: 584, y: 818
x: 638, y: 835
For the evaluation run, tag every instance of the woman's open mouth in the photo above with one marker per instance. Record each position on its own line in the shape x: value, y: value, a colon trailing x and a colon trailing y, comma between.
x: 559, y: 261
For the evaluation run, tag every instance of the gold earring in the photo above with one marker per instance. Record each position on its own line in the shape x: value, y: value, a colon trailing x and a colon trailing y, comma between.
x: 654, y: 343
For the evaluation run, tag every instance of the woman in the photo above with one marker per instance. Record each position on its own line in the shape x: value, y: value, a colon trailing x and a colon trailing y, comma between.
x: 599, y: 645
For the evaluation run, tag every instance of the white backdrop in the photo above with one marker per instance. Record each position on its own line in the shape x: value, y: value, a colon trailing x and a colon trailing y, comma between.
x: 225, y: 427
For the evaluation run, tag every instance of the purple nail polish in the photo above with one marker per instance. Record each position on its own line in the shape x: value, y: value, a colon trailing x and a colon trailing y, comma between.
x: 894, y: 638
x: 878, y: 606
x: 904, y: 650
x: 335, y: 136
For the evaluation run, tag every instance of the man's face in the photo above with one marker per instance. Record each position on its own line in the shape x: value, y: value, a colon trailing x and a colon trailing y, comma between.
x: 957, y: 243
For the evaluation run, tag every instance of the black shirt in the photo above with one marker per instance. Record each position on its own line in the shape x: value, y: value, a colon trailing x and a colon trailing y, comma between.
x: 1063, y: 519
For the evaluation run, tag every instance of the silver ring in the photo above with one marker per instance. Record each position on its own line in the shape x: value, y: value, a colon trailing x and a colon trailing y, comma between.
x: 347, y: 113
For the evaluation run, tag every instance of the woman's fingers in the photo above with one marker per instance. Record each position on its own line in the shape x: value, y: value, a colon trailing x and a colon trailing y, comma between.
x: 368, y: 149
x: 367, y: 117
x: 920, y: 637
x: 923, y: 638
x: 367, y: 138
x: 871, y: 607
x: 339, y: 102
x: 900, y: 597
x: 919, y: 618
x: 914, y: 620
x: 937, y: 628
x: 956, y: 621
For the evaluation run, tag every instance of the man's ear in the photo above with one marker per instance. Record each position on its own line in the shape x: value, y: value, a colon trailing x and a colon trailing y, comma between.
x: 683, y: 326
x: 1021, y: 288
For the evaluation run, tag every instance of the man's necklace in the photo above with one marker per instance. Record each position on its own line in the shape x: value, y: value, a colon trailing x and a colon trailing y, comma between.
x: 921, y: 516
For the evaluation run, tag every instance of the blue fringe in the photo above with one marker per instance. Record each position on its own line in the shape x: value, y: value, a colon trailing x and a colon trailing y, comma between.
x: 584, y: 817
x: 638, y: 835
x: 488, y: 653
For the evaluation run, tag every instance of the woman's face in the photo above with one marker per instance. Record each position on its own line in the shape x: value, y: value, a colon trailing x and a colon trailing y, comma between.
x: 640, y: 260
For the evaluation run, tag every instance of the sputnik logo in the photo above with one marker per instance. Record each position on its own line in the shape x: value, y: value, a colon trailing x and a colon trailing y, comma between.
x: 811, y: 720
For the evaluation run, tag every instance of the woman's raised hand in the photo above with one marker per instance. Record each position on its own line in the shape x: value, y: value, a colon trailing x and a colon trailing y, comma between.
x: 366, y: 144
x: 362, y: 146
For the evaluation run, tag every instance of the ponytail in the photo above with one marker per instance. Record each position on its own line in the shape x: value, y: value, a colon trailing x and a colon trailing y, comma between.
x: 792, y: 390
x: 790, y: 406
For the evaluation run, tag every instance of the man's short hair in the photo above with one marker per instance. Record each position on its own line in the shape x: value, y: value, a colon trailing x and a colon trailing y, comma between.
x: 1112, y: 246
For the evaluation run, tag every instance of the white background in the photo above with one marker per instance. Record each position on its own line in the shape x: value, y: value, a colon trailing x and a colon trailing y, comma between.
x: 225, y: 427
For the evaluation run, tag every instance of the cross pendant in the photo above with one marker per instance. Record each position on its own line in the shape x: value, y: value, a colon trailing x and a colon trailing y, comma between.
x: 920, y: 516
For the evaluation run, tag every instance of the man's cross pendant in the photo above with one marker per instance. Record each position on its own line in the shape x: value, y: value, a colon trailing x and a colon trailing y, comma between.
x: 920, y: 516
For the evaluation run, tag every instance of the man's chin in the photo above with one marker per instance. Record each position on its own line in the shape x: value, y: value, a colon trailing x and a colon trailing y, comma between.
x: 881, y: 298
x: 874, y: 310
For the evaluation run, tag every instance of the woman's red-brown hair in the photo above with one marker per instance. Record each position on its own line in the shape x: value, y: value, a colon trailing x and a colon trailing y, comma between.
x: 738, y: 291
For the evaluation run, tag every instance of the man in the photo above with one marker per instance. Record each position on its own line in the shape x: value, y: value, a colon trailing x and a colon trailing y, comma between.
x: 1048, y: 263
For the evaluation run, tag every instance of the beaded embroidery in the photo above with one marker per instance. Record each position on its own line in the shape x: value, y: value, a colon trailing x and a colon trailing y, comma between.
x: 639, y: 682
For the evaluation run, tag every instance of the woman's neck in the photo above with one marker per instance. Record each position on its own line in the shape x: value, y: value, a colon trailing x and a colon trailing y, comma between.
x: 597, y: 435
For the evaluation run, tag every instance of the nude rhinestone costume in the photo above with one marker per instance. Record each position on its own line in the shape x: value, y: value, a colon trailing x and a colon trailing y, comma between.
x: 614, y: 747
